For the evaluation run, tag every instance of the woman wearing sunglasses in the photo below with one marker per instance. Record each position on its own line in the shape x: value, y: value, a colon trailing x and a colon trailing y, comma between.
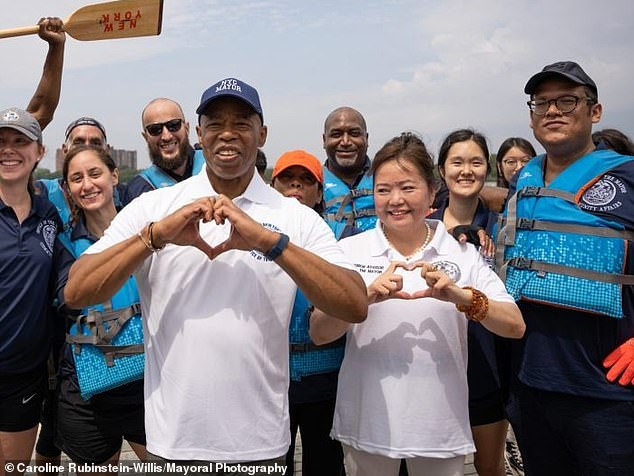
x: 101, y: 385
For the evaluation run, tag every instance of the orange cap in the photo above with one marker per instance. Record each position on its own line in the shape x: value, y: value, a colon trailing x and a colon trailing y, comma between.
x: 301, y: 158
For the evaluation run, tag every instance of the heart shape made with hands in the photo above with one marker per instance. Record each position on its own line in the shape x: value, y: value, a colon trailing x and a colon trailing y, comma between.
x: 412, y: 278
x: 182, y: 227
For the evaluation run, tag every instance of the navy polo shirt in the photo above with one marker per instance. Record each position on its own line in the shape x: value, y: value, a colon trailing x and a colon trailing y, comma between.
x: 562, y: 350
x: 33, y: 271
x: 483, y: 217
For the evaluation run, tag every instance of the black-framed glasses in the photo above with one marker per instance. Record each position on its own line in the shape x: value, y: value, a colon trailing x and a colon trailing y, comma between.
x: 173, y: 125
x: 564, y: 104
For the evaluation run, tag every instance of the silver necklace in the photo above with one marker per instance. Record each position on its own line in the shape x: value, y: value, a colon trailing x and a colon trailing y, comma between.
x: 419, y: 249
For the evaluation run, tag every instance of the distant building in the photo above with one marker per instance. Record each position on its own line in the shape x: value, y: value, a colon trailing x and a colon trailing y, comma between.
x: 123, y: 158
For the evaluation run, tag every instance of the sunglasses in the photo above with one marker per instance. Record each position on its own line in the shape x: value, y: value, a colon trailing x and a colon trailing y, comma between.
x: 173, y: 125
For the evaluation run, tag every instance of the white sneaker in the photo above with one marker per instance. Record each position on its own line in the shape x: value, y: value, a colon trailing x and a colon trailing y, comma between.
x: 513, y: 459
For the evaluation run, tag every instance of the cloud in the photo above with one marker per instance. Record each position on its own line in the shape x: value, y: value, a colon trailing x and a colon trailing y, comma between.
x: 430, y: 66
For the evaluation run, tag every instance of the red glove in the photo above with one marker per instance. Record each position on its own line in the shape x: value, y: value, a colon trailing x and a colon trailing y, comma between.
x: 622, y: 362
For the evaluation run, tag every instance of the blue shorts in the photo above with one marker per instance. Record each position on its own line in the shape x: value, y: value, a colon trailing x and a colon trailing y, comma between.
x: 563, y: 434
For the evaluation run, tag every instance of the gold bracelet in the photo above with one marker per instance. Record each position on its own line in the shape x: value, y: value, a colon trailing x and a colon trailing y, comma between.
x: 150, y: 237
x: 149, y: 241
x: 478, y: 309
x: 144, y: 241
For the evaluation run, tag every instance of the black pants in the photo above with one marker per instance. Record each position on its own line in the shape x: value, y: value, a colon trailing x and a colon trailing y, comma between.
x: 560, y: 434
x: 321, y: 455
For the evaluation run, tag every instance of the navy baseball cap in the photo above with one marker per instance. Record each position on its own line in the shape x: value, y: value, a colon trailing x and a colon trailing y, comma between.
x: 21, y: 121
x: 563, y: 69
x: 231, y: 87
x: 85, y: 121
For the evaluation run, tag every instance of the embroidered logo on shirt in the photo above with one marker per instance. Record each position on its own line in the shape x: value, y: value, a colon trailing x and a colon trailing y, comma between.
x: 48, y: 229
x: 450, y: 269
x: 602, y: 196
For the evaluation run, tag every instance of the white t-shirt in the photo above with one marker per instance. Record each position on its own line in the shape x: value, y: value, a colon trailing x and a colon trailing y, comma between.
x: 402, y: 388
x: 216, y: 332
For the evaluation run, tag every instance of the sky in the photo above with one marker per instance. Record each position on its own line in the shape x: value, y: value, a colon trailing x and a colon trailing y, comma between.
x: 407, y: 65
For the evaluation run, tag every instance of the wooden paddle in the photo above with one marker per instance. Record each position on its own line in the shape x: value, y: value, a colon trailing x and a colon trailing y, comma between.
x: 105, y: 21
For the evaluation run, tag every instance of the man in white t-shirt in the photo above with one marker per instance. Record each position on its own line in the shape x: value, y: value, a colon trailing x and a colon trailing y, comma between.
x: 218, y: 258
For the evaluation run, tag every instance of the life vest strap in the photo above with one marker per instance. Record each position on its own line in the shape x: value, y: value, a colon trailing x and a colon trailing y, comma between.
x: 310, y: 346
x: 112, y: 351
x: 530, y: 224
x: 95, y: 320
x: 542, y: 267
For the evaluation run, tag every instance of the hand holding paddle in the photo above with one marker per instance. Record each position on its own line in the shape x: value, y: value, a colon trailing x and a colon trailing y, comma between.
x: 105, y: 21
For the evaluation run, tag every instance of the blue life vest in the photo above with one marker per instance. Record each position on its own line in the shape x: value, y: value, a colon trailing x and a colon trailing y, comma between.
x: 556, y: 253
x: 307, y: 358
x: 57, y: 197
x: 346, y: 207
x: 107, y: 338
x: 158, y: 178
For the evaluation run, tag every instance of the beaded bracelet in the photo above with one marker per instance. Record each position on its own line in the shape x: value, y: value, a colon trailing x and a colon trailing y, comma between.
x: 478, y: 309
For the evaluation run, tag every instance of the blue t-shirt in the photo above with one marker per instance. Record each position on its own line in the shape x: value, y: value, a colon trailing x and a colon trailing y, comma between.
x: 33, y: 272
x: 562, y: 349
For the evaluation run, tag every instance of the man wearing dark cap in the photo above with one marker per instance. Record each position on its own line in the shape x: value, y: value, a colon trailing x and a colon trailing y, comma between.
x: 218, y: 259
x: 568, y: 260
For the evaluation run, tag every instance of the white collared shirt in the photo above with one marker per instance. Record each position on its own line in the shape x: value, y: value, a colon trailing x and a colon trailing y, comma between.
x: 216, y: 332
x: 402, y: 388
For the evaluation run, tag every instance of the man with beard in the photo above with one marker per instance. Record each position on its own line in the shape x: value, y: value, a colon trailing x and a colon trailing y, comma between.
x: 173, y: 158
x: 349, y: 206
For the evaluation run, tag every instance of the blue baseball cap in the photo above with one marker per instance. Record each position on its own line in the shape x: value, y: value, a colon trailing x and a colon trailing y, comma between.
x: 231, y: 87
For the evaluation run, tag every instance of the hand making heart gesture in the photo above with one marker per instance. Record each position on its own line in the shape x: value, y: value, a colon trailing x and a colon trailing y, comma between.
x: 440, y: 286
x: 389, y: 285
x: 183, y: 227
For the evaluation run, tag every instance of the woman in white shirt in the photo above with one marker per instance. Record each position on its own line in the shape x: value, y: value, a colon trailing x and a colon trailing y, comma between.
x: 403, y: 385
